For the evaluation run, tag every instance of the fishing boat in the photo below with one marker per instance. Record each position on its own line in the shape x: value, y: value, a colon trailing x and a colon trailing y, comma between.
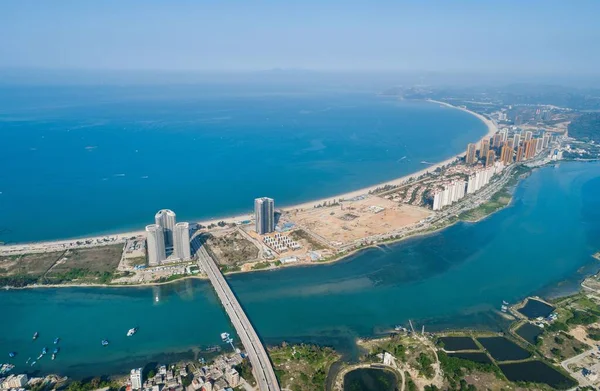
x: 35, y: 335
x: 12, y: 354
x: 27, y: 362
x: 132, y: 331
x: 33, y: 363
x: 105, y: 342
x: 44, y: 350
x: 56, y: 340
x: 53, y: 356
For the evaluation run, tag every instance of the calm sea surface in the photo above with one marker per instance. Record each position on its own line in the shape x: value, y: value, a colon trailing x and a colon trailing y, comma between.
x: 87, y: 160
x: 455, y: 278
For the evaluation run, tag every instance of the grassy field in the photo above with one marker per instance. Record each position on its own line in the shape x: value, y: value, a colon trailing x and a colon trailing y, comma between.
x: 90, y: 265
x: 497, y: 202
x: 302, y: 367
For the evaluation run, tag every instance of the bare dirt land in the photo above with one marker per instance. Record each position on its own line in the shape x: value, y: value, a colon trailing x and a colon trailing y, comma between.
x: 231, y: 247
x: 354, y: 220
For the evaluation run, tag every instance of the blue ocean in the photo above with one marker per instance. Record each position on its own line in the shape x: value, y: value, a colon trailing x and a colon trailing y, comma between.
x: 83, y: 160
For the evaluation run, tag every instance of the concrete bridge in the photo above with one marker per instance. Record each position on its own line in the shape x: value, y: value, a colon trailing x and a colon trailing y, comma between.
x: 263, y: 370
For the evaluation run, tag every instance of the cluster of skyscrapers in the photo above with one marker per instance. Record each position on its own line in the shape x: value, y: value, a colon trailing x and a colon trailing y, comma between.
x: 264, y: 212
x: 166, y: 236
x: 501, y: 147
x: 495, y: 154
x: 457, y: 189
x: 451, y: 193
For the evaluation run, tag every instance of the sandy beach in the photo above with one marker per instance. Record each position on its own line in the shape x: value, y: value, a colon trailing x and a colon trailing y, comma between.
x: 92, y: 241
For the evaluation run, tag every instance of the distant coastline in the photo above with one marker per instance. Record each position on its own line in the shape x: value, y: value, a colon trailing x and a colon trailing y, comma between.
x: 55, y: 245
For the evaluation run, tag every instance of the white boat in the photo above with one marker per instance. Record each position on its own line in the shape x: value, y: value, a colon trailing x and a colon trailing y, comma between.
x: 224, y: 336
x: 132, y: 331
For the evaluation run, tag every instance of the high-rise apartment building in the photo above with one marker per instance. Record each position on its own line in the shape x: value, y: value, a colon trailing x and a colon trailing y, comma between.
x: 485, y: 148
x: 528, y: 135
x: 503, y: 136
x: 497, y: 140
x: 547, y: 138
x: 165, y: 218
x: 155, y: 244
x: 520, y: 153
x: 490, y: 159
x: 136, y: 379
x: 264, y: 212
x: 506, y: 155
x: 530, y: 147
x: 471, y: 157
x: 181, y: 241
x: 516, y: 140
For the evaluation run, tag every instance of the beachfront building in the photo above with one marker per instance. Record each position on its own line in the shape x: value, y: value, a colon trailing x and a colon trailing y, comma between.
x: 181, y: 241
x: 471, y: 157
x: 485, y: 148
x: 451, y: 193
x: 516, y: 140
x: 528, y: 135
x: 506, y: 155
x: 264, y: 212
x: 14, y: 382
x: 490, y: 159
x: 165, y: 218
x: 135, y: 378
x: 155, y: 244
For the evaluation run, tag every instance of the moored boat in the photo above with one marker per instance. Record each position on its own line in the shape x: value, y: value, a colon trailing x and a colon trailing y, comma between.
x: 132, y: 331
x: 35, y: 335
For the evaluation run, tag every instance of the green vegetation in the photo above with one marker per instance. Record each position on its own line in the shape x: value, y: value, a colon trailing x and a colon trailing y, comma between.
x: 410, y: 384
x: 245, y: 371
x: 586, y: 127
x: 582, y: 318
x: 302, y: 367
x: 92, y: 384
x: 455, y: 369
x: 96, y: 265
x: 593, y: 333
x: 425, y: 364
x: 261, y: 265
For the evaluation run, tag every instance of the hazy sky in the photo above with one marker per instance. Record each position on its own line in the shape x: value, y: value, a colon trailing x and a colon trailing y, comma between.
x: 490, y: 36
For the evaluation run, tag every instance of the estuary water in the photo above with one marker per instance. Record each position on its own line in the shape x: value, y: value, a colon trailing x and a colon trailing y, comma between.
x: 458, y: 277
x: 89, y: 160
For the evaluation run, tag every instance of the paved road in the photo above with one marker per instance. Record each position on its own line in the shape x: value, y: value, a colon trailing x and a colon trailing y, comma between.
x: 263, y: 370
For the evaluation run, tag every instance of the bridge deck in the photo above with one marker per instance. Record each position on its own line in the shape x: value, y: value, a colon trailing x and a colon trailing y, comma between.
x: 263, y: 370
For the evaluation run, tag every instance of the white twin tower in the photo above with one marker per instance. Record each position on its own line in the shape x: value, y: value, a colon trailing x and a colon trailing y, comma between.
x: 166, y: 236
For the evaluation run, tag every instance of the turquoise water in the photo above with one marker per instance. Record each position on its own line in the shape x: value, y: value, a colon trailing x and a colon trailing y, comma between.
x: 455, y: 278
x: 88, y: 160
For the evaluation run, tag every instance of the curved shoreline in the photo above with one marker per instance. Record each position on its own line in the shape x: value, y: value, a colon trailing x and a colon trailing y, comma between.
x: 56, y: 245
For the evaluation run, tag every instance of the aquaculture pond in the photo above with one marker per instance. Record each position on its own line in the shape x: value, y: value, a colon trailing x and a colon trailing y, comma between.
x: 535, y: 308
x: 502, y: 349
x: 537, y: 372
x: 529, y: 332
x: 370, y: 379
x: 452, y: 344
x: 477, y: 357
